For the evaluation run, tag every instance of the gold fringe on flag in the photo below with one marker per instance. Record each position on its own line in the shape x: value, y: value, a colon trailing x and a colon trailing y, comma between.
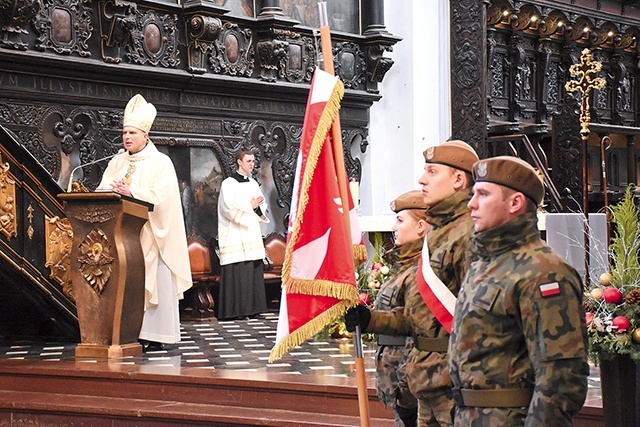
x: 306, y: 286
x: 313, y: 327
x: 360, y: 255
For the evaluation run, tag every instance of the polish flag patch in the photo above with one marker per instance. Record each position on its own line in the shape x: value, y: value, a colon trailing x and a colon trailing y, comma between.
x: 550, y: 289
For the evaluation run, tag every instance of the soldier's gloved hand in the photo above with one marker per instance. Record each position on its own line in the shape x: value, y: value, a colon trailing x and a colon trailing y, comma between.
x: 358, y: 315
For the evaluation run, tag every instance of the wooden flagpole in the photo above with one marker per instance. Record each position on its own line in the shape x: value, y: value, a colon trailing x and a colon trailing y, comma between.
x: 336, y: 133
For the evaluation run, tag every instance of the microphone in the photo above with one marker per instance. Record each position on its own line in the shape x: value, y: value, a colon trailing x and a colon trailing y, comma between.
x: 120, y: 151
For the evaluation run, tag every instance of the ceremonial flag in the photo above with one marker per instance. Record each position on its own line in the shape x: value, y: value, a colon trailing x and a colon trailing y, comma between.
x: 318, y: 273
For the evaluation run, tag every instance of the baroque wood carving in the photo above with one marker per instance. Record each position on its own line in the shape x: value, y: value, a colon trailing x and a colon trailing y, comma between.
x: 203, y: 32
x: 139, y: 36
x: 96, y: 260
x: 64, y: 27
x: 468, y: 24
x: 8, y: 220
x: 59, y: 239
x: 234, y: 51
x: 350, y: 64
x: 15, y: 15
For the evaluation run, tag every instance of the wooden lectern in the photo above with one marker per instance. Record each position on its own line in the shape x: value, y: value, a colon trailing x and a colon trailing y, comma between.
x: 107, y: 271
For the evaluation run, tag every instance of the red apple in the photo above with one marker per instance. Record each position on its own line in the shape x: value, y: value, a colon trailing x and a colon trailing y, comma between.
x: 612, y: 296
x: 377, y: 266
x: 364, y: 298
x: 589, y: 317
x: 621, y: 323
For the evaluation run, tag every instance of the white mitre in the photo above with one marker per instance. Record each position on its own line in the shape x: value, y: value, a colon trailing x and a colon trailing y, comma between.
x: 139, y: 114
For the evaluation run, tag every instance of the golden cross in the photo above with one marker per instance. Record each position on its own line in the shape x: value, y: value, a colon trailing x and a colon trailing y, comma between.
x: 584, y: 84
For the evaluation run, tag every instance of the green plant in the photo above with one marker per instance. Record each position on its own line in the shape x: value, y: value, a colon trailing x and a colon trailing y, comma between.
x: 613, y: 303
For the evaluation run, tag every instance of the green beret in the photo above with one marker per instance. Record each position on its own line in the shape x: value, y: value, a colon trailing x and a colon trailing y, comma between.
x: 457, y: 154
x: 409, y: 200
x: 510, y: 172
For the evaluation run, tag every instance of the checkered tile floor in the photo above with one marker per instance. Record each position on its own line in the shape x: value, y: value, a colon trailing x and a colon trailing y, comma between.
x: 242, y: 345
x: 238, y: 345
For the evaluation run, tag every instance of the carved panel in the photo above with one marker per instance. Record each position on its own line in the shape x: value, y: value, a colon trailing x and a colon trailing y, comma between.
x: 145, y: 37
x: 353, y: 165
x: 350, y: 64
x: 268, y: 138
x: 567, y: 158
x: 96, y: 260
x: 271, y: 53
x: 8, y: 221
x: 94, y: 215
x: 117, y: 21
x: 58, y: 241
x: 298, y: 63
x: 14, y: 17
x: 468, y: 20
x: 234, y: 51
x: 64, y: 27
x: 203, y: 32
x: 377, y: 65
x: 155, y: 40
x: 284, y: 169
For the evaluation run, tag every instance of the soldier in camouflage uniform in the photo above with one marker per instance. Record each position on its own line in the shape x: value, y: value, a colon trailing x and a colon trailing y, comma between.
x: 517, y: 352
x: 408, y: 232
x: 446, y: 190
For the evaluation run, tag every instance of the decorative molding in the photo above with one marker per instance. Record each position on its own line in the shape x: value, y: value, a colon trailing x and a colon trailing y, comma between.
x: 96, y: 261
x: 350, y: 64
x: 8, y: 218
x: 271, y: 53
x: 64, y: 27
x: 203, y: 31
x: 30, y: 230
x: 15, y: 15
x: 234, y: 51
x: 377, y: 65
x: 94, y: 215
x: 58, y: 242
x: 142, y: 37
x: 468, y: 70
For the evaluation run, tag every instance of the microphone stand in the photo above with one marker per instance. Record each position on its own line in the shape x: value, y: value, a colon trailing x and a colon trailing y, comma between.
x: 120, y: 151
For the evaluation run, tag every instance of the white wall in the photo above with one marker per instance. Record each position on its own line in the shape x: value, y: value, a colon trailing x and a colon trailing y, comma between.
x: 414, y: 111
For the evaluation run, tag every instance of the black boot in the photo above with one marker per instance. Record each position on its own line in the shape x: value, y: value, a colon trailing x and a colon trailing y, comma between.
x: 409, y: 416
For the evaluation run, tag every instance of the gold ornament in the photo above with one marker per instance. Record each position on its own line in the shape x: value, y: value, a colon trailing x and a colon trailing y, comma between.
x: 635, y: 335
x: 596, y: 294
x: 606, y: 279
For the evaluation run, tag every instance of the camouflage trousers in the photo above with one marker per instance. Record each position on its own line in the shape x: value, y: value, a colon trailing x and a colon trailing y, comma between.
x: 490, y: 417
x: 436, y: 411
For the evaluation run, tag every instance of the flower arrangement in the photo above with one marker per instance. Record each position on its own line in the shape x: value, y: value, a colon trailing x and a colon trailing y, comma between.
x: 372, y: 274
x: 613, y: 303
x: 369, y: 277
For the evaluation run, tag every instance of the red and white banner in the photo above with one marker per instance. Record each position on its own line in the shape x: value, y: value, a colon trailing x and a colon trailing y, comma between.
x: 435, y: 294
x: 318, y: 274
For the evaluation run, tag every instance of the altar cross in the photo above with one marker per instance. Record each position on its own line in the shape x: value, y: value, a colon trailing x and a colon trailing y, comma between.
x: 584, y: 84
x: 584, y: 71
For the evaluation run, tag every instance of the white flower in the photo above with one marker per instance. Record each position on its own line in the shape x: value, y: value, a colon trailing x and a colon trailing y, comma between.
x: 384, y: 270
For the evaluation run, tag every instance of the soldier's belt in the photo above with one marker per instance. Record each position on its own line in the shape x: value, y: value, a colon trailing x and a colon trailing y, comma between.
x: 391, y: 340
x: 431, y: 344
x: 500, y: 398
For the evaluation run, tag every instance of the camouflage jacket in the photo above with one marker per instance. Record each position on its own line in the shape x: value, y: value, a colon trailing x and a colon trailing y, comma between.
x: 390, y: 359
x: 507, y: 334
x: 449, y: 241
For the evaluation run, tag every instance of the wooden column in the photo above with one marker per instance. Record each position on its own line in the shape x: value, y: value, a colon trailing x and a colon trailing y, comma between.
x: 270, y: 8
x: 373, y: 17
